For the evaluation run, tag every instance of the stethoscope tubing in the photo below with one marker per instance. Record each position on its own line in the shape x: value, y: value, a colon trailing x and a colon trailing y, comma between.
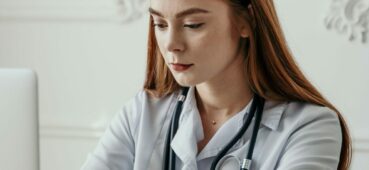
x: 256, y: 108
x: 257, y: 101
x: 169, y: 155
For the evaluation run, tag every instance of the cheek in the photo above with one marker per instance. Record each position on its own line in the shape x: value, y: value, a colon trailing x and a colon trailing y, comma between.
x: 204, y: 42
x: 216, y: 43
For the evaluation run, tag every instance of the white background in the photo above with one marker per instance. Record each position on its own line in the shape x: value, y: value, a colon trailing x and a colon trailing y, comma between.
x: 89, y: 63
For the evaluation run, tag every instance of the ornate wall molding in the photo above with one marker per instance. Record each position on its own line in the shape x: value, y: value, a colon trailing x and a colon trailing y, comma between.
x: 54, y: 13
x: 131, y: 10
x: 349, y: 17
x: 123, y: 11
x: 71, y: 132
x: 361, y: 144
x: 65, y: 11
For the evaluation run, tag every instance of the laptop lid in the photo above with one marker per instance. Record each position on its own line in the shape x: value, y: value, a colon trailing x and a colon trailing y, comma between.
x: 19, y: 146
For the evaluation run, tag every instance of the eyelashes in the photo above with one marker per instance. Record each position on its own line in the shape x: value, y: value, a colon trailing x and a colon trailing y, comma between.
x: 191, y: 26
x: 159, y: 25
x: 194, y: 26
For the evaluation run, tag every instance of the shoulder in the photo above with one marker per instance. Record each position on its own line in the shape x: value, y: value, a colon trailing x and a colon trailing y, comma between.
x: 304, y: 113
x: 144, y: 101
x: 313, y: 129
x: 301, y: 120
x: 144, y: 106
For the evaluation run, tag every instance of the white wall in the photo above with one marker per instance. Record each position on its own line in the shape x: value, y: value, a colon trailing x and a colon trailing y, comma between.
x: 337, y: 66
x: 89, y: 63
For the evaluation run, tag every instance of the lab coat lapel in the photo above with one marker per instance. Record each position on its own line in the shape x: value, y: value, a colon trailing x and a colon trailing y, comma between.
x: 272, y: 114
x: 190, y: 130
x: 223, y: 136
x: 189, y: 133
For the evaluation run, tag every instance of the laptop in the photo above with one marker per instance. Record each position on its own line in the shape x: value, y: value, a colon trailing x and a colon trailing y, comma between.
x: 19, y: 139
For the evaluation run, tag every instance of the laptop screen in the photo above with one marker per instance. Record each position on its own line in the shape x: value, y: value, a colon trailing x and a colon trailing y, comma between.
x: 19, y: 120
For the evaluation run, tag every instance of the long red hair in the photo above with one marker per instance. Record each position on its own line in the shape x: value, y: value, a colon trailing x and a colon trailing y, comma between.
x: 270, y: 66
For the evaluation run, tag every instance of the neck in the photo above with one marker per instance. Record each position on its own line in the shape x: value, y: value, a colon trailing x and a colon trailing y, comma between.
x: 227, y: 94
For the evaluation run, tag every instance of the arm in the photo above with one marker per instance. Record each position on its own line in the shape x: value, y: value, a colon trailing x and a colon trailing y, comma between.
x: 116, y: 147
x: 315, y: 144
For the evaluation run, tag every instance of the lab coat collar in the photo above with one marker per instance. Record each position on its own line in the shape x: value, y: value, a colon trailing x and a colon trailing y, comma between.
x: 271, y: 114
x: 190, y: 130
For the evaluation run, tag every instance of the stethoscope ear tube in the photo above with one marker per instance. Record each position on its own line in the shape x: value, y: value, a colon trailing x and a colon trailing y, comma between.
x: 257, y: 106
x: 167, y: 148
x: 246, y: 164
x: 259, y: 114
x: 239, y: 134
x: 169, y: 155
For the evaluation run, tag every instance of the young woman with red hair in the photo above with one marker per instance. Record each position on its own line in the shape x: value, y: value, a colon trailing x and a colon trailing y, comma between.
x: 230, y: 61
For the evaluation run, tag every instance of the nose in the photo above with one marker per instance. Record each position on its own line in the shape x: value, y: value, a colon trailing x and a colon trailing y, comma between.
x: 175, y: 42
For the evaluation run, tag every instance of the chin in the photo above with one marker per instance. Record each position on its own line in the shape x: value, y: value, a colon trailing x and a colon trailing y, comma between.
x: 186, y: 82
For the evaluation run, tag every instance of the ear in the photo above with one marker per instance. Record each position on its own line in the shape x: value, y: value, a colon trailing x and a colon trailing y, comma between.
x: 251, y: 15
x: 250, y: 11
x: 246, y: 27
x: 245, y: 32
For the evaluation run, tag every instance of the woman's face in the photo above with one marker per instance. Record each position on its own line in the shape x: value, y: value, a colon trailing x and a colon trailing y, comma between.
x: 198, y: 35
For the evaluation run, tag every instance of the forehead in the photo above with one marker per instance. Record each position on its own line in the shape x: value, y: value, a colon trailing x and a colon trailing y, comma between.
x: 170, y: 8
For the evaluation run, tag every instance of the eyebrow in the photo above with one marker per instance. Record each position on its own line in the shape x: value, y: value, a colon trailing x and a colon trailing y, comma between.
x: 182, y: 13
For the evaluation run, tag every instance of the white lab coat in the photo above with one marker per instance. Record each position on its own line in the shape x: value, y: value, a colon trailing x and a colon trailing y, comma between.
x: 292, y: 136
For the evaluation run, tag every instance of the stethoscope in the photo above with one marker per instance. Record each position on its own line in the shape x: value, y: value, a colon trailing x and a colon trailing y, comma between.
x: 257, y: 106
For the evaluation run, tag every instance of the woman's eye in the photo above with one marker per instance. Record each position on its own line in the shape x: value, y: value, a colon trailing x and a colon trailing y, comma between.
x: 160, y: 25
x: 194, y: 26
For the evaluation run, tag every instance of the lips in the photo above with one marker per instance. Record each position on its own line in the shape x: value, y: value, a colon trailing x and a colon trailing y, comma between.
x: 180, y: 67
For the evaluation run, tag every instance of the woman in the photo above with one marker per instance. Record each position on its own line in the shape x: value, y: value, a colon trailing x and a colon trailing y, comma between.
x: 229, y: 53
